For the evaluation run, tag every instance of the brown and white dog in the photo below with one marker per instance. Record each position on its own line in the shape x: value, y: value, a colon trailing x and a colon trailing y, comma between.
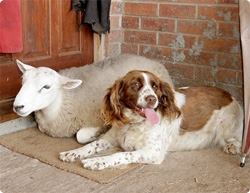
x: 149, y: 118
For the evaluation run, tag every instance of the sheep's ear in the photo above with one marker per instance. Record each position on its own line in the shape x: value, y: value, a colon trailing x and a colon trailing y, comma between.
x: 23, y: 67
x: 68, y: 83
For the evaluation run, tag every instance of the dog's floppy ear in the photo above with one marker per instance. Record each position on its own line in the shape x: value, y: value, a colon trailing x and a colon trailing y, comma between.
x: 112, y: 109
x: 167, y: 102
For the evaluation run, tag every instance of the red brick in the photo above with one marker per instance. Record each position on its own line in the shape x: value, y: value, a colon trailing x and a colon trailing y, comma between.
x: 177, y: 11
x: 181, y: 70
x: 204, y: 58
x: 164, y: 1
x: 142, y: 9
x: 227, y: 76
x: 227, y: 2
x: 114, y: 36
x: 231, y: 30
x: 193, y: 27
x: 130, y: 22
x: 129, y: 48
x: 158, y: 24
x: 140, y: 37
x: 166, y: 39
x: 230, y: 61
x: 116, y: 8
x: 114, y: 22
x: 181, y: 82
x: 112, y: 49
x: 240, y: 78
x: 156, y: 52
x: 219, y: 13
x: 205, y: 75
x: 220, y: 45
x: 197, y: 1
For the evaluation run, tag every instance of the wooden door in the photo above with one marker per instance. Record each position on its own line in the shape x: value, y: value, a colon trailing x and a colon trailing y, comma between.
x: 51, y: 38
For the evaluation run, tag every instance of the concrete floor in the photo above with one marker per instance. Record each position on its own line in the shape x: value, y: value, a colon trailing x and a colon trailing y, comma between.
x: 195, y: 171
x: 17, y: 125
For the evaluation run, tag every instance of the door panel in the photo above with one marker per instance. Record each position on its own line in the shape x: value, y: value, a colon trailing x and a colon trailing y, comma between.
x: 69, y: 41
x: 51, y: 38
x: 36, y: 28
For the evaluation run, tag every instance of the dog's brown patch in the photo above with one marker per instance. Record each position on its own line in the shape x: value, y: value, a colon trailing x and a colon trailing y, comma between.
x: 201, y: 101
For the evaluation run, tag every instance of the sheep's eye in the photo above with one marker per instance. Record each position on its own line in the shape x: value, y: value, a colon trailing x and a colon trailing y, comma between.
x: 46, y: 87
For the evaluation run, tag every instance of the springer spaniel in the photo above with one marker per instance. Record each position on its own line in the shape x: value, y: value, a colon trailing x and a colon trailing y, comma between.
x: 149, y: 118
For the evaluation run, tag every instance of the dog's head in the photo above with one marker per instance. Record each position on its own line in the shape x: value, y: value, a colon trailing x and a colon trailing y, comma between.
x: 141, y: 94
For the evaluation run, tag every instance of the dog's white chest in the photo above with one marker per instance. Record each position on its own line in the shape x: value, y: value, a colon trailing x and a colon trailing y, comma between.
x: 131, y: 138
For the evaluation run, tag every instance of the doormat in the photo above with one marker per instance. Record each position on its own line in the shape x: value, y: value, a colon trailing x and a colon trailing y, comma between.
x: 31, y: 142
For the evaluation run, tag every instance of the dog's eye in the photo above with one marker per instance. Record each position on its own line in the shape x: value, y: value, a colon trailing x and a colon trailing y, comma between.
x: 135, y: 86
x: 155, y: 87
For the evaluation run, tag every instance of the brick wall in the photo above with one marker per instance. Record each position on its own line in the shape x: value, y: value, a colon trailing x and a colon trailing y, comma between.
x: 197, y: 40
x: 114, y: 39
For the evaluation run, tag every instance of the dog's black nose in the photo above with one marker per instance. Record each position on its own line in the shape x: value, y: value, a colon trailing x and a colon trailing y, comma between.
x: 151, y: 99
x: 19, y: 107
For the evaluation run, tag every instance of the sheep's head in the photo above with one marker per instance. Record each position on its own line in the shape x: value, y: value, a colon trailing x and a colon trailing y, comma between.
x: 40, y: 88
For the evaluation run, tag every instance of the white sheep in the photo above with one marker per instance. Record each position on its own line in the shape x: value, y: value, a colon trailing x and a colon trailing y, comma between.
x: 60, y: 111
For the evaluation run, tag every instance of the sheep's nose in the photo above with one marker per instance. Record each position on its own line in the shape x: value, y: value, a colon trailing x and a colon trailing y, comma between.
x: 151, y: 99
x: 18, y: 108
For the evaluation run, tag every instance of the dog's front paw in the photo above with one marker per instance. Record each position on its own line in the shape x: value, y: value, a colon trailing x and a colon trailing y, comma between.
x: 69, y: 156
x: 95, y: 164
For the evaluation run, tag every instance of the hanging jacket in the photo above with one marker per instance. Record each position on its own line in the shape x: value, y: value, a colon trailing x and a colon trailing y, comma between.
x: 94, y: 13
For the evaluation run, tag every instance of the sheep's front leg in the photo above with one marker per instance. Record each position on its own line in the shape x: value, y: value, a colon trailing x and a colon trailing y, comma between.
x: 101, y: 144
x: 88, y: 134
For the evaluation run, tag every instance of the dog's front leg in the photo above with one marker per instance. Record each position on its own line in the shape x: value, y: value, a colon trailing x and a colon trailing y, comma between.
x: 123, y: 158
x: 103, y: 143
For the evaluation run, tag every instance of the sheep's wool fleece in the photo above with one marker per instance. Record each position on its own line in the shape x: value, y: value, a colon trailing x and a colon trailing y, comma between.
x: 82, y: 106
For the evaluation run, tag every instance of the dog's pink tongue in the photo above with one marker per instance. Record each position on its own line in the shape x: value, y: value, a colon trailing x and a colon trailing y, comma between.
x: 151, y: 115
